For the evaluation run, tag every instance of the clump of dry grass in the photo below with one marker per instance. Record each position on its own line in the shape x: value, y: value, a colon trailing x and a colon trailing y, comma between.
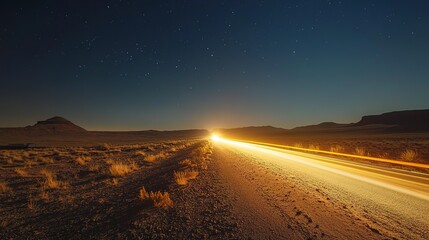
x: 140, y: 153
x: 21, y: 172
x: 298, y: 145
x: 119, y: 169
x: 360, y: 151
x: 313, y: 147
x: 134, y: 166
x: 186, y: 163
x: 336, y: 148
x: 183, y: 177
x: 44, y: 194
x: 50, y: 180
x: 105, y: 146
x: 115, y: 181
x: 4, y: 187
x: 82, y: 160
x: 158, y: 198
x: 94, y: 167
x: 47, y: 160
x: 153, y: 157
x: 409, y: 155
x: 30, y: 203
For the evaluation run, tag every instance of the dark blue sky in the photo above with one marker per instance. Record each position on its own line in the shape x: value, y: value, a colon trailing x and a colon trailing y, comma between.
x: 131, y: 65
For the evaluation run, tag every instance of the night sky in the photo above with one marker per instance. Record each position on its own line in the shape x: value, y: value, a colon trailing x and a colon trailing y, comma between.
x: 134, y: 65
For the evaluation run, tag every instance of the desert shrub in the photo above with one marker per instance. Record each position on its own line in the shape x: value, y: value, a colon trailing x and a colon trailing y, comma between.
x: 119, y: 169
x: 134, y: 166
x: 30, y: 203
x: 47, y: 160
x: 21, y: 172
x: 82, y: 160
x: 44, y: 194
x: 4, y: 187
x: 115, y: 181
x: 50, y: 180
x: 94, y: 167
x: 158, y: 198
x: 313, y: 147
x: 409, y: 155
x: 298, y: 145
x: 360, y: 151
x: 183, y: 177
x: 336, y: 148
x: 180, y: 178
x: 153, y: 157
x: 140, y: 153
x: 105, y: 147
x: 384, y: 155
x: 186, y: 163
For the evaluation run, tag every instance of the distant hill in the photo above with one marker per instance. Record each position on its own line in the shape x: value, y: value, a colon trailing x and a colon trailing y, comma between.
x: 321, y: 127
x: 411, y: 120
x: 58, y: 131
x: 55, y: 125
x: 400, y: 121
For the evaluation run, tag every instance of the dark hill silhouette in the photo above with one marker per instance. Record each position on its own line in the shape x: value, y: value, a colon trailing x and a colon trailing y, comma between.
x: 399, y: 121
x: 56, y: 124
x: 410, y: 120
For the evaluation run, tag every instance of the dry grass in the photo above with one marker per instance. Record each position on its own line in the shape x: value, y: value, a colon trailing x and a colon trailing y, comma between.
x: 298, y: 145
x: 158, y: 198
x: 21, y: 172
x: 186, y: 163
x: 360, y: 151
x: 44, y: 195
x: 119, y: 169
x: 153, y: 157
x: 94, y: 167
x: 115, y: 182
x: 4, y: 187
x: 336, y: 148
x: 313, y: 147
x: 30, y: 203
x: 82, y: 160
x: 140, y: 153
x: 50, y: 180
x: 183, y: 177
x: 180, y: 178
x: 47, y: 160
x: 409, y: 155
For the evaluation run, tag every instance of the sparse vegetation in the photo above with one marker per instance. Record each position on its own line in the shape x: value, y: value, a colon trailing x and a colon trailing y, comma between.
x: 153, y: 157
x: 409, y: 155
x: 336, y: 148
x: 313, y: 147
x: 298, y: 145
x: 50, y: 180
x: 183, y: 177
x: 360, y: 151
x: 158, y: 198
x: 4, y: 187
x: 30, y: 203
x: 119, y: 169
x: 21, y: 172
x: 82, y: 160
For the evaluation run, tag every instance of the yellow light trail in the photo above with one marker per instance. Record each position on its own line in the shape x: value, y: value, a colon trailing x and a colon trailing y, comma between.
x: 398, y: 162
x: 382, y: 179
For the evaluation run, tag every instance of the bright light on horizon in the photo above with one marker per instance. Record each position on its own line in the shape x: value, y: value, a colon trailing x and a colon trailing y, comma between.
x: 215, y: 137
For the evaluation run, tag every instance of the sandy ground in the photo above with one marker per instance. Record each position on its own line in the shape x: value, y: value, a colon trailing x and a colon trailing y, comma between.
x: 236, y: 196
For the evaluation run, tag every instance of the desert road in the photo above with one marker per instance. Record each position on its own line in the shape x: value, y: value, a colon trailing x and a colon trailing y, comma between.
x: 287, y: 194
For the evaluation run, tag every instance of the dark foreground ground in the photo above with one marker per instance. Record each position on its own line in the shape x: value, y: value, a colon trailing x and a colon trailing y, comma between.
x: 231, y: 195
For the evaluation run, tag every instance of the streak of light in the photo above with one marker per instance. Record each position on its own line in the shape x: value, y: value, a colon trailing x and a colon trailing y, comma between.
x: 411, y: 164
x: 303, y: 160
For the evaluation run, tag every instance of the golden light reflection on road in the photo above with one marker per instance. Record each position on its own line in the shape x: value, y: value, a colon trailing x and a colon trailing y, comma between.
x: 410, y: 183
